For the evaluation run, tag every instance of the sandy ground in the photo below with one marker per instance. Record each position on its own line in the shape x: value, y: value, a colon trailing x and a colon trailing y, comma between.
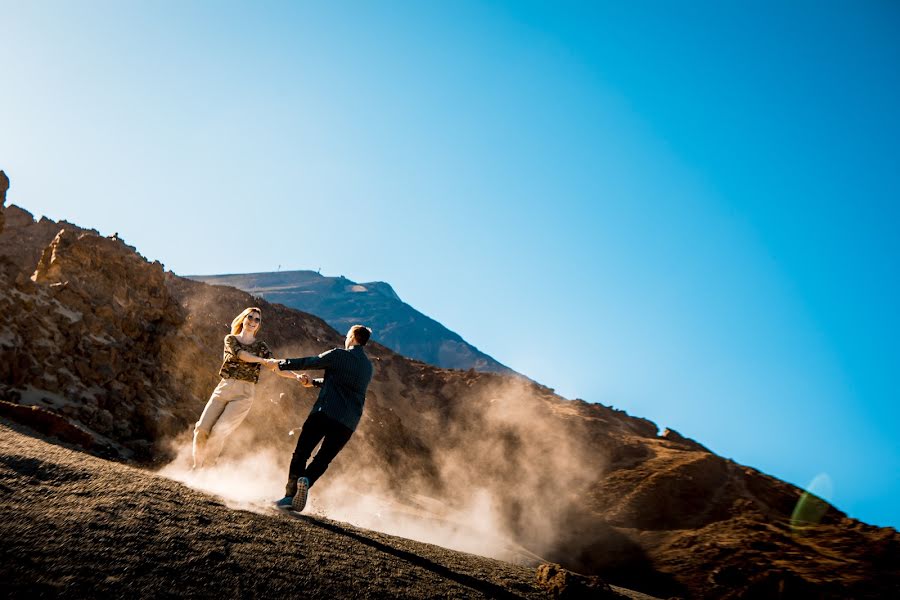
x: 75, y: 525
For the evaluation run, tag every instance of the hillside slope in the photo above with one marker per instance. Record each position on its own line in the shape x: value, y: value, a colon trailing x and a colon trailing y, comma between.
x: 342, y: 303
x: 79, y: 526
x: 107, y: 350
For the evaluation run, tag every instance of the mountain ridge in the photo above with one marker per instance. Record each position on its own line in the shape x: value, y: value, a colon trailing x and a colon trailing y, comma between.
x: 343, y: 302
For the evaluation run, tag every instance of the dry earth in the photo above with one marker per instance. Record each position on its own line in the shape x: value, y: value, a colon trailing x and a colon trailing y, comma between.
x: 76, y: 526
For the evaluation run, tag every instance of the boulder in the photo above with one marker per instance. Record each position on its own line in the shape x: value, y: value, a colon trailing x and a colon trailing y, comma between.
x: 674, y: 436
x: 562, y: 584
x: 109, y: 276
x: 47, y: 422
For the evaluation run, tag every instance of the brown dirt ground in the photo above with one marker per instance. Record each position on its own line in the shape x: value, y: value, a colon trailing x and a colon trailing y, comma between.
x: 75, y: 525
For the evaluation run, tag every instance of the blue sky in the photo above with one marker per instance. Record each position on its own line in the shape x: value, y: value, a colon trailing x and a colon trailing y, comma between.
x: 686, y: 210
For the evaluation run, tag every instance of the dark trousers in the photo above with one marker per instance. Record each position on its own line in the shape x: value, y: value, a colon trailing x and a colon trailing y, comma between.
x: 317, y: 428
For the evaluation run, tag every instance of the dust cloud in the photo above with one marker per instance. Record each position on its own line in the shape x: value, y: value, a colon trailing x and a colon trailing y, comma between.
x: 505, y: 473
x: 489, y: 467
x: 241, y: 482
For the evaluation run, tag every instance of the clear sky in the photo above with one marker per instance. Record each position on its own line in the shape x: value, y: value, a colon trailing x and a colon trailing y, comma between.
x: 688, y: 210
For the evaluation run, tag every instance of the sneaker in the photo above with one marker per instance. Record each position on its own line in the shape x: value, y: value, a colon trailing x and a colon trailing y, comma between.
x: 286, y: 502
x: 299, y: 501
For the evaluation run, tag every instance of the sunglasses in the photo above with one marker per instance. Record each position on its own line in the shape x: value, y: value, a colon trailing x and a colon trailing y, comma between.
x: 254, y: 319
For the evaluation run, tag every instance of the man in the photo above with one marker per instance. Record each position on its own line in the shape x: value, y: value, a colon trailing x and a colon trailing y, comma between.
x: 335, y: 414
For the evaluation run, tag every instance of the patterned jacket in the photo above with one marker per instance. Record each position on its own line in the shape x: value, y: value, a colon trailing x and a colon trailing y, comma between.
x: 233, y: 367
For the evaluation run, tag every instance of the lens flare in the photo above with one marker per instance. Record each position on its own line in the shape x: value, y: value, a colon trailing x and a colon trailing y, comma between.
x: 813, y: 503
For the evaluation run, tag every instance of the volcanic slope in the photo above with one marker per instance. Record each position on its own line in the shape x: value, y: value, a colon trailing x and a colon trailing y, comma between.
x: 77, y: 526
x: 105, y: 349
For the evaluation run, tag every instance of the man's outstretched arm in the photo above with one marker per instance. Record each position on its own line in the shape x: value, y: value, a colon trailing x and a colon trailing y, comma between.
x: 322, y: 361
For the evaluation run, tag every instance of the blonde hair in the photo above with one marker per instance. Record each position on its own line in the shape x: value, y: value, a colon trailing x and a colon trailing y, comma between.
x: 238, y: 324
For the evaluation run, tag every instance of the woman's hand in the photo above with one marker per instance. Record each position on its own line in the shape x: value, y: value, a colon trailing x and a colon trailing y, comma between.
x: 304, y: 380
x: 270, y: 363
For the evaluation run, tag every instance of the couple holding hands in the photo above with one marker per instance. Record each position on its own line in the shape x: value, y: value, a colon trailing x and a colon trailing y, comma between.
x: 333, y: 418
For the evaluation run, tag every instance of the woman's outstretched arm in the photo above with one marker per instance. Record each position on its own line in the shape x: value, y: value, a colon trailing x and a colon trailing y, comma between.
x: 289, y: 375
x: 251, y: 358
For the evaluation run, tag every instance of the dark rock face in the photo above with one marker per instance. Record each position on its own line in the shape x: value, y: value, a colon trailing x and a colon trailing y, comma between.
x: 343, y: 303
x: 110, y: 346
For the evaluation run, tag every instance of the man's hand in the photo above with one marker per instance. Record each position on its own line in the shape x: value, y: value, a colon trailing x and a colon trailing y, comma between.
x: 304, y: 380
x: 271, y: 363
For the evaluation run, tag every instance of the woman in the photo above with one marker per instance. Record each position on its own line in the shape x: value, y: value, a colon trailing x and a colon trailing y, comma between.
x: 231, y: 400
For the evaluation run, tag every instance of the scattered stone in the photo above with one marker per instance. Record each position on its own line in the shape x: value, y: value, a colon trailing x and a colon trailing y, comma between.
x: 674, y: 436
x: 562, y: 584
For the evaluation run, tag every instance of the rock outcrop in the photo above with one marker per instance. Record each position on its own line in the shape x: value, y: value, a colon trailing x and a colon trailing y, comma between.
x: 126, y: 353
x: 48, y: 423
x: 562, y: 584
x: 86, y: 337
x: 25, y: 239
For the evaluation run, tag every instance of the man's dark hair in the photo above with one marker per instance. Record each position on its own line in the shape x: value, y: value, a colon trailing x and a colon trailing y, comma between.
x: 361, y: 334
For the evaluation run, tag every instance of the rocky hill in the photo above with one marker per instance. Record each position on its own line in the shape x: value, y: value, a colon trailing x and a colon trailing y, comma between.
x: 102, y: 349
x: 342, y: 302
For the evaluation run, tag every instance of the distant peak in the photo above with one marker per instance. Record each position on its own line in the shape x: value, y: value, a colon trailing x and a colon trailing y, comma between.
x: 380, y: 287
